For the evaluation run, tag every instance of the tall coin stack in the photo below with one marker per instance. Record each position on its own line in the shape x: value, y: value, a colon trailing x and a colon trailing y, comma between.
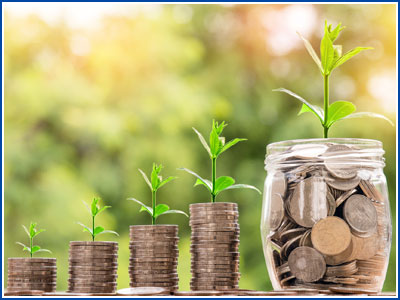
x: 154, y: 256
x: 93, y: 267
x: 32, y: 274
x: 214, y: 246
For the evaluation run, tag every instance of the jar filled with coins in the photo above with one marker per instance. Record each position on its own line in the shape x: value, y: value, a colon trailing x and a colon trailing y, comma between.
x: 326, y: 217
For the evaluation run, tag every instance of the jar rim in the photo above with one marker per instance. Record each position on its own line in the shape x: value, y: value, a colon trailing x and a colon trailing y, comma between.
x: 362, y: 143
x: 291, y: 153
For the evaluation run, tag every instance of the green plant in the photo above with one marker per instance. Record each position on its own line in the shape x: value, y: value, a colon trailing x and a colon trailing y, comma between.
x: 331, y: 58
x: 32, y: 232
x: 155, y: 183
x: 94, y: 210
x: 215, y: 149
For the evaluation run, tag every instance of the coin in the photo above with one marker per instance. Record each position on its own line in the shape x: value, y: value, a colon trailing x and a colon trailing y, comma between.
x: 199, y: 293
x: 307, y: 264
x: 369, y: 247
x: 352, y: 290
x: 24, y: 293
x: 93, y: 244
x: 289, y: 247
x: 144, y: 291
x: 305, y: 197
x: 361, y: 215
x: 276, y: 211
x: 331, y: 236
x: 371, y: 191
x: 342, y: 184
x: 214, y: 205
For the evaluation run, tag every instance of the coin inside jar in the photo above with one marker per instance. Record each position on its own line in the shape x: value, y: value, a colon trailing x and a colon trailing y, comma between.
x: 361, y: 215
x: 307, y: 264
x: 276, y: 211
x: 306, y: 204
x: 331, y: 236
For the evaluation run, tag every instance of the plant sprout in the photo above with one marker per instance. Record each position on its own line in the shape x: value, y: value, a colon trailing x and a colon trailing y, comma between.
x: 32, y: 232
x: 94, y: 210
x: 155, y: 183
x: 331, y: 58
x: 215, y: 149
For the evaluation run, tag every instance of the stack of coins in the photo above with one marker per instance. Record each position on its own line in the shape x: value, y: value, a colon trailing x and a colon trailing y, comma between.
x: 32, y: 274
x: 328, y: 219
x: 154, y: 256
x: 93, y: 267
x: 214, y: 246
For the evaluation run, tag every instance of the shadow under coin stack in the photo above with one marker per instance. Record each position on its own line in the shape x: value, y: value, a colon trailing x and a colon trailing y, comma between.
x: 93, y: 267
x: 154, y: 256
x: 214, y: 246
x: 32, y: 274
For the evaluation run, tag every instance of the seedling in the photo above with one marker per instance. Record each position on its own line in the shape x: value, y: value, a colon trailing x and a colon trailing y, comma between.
x: 215, y: 149
x: 32, y: 232
x: 155, y: 183
x: 331, y: 58
x: 94, y: 210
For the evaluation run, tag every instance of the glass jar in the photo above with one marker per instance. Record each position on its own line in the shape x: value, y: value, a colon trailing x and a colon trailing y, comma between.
x: 325, y: 220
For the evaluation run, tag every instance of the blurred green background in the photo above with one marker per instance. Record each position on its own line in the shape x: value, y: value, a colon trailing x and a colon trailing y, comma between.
x: 95, y: 91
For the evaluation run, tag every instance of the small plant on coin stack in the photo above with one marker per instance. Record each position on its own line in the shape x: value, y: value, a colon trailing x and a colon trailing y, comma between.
x: 215, y: 149
x: 32, y: 232
x: 32, y: 273
x: 95, y: 210
x: 215, y: 228
x: 155, y: 183
x: 326, y: 214
x: 93, y: 264
x: 154, y: 248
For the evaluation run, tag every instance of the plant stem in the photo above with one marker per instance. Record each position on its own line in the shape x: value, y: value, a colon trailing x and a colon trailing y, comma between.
x: 213, y: 175
x: 31, y: 245
x: 326, y: 104
x: 153, y: 198
x: 93, y: 228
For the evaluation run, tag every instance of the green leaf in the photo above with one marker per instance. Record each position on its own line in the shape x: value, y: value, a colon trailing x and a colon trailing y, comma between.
x: 174, y: 211
x: 160, y: 209
x: 349, y: 55
x: 146, y: 179
x: 222, y: 183
x: 317, y: 111
x: 32, y: 229
x: 327, y: 52
x: 39, y: 231
x: 338, y: 110
x: 25, y: 248
x: 243, y: 186
x: 43, y: 250
x: 98, y: 230
x: 26, y: 230
x: 144, y: 207
x: 312, y: 53
x: 165, y: 181
x: 205, y: 182
x: 215, y: 143
x: 333, y: 34
x: 109, y: 231
x: 87, y: 206
x: 305, y: 108
x: 94, y: 208
x: 230, y: 144
x: 369, y: 115
x: 103, y: 209
x: 85, y: 228
x: 203, y: 141
x: 35, y: 249
x: 155, y: 179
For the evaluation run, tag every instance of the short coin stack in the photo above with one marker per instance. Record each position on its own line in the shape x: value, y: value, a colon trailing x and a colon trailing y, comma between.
x: 154, y: 256
x: 214, y: 246
x: 327, y: 219
x: 93, y: 267
x: 32, y: 274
